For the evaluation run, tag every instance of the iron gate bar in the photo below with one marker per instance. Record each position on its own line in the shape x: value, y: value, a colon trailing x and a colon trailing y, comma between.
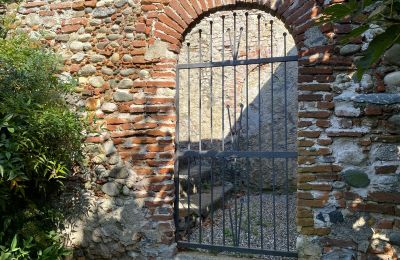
x: 231, y: 63
x: 286, y: 145
x: 273, y: 137
x: 247, y: 130
x: 235, y: 154
x: 236, y: 249
x: 259, y: 128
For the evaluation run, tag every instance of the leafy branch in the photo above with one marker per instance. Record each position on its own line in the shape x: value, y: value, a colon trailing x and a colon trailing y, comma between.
x: 385, y: 14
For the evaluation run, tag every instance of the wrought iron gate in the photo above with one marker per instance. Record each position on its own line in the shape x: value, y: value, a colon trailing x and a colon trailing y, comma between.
x: 232, y: 147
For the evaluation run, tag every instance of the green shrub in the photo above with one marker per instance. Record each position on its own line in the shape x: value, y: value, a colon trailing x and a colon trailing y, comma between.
x: 40, y: 141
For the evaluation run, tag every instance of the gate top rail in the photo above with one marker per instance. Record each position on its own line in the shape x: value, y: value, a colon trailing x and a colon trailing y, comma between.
x: 228, y: 63
x: 236, y: 154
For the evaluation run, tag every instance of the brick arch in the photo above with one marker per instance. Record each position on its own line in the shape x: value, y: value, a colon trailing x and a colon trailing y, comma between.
x: 178, y: 17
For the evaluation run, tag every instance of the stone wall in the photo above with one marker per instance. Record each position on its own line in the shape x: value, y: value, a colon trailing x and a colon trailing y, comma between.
x: 124, y: 55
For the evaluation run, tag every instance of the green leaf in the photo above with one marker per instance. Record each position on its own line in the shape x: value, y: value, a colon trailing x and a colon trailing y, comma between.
x: 354, y: 33
x: 14, y: 243
x: 377, y: 47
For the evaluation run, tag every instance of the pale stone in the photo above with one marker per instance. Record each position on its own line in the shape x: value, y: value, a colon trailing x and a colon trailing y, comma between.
x: 127, y: 58
x: 111, y: 189
x: 158, y: 50
x: 127, y: 72
x: 33, y: 19
x: 384, y: 152
x: 377, y: 98
x: 76, y: 46
x: 102, y: 12
x: 347, y: 110
x: 366, y: 81
x: 392, y: 79
x: 115, y: 58
x: 97, y: 58
x: 109, y: 107
x: 144, y: 74
x: 107, y: 71
x: 114, y: 36
x: 84, y: 37
x: 125, y: 191
x: 87, y: 46
x: 350, y: 49
x: 78, y: 57
x: 125, y: 84
x: 348, y: 152
x: 96, y: 81
x: 120, y: 3
x: 122, y: 96
x: 87, y: 70
x: 392, y: 56
x: 95, y: 22
x: 109, y: 148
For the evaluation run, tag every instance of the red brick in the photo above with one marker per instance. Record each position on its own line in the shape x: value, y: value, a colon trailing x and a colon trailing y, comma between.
x: 309, y: 134
x: 91, y: 3
x: 181, y: 12
x: 323, y: 123
x: 34, y: 4
x: 187, y: 5
x: 372, y: 110
x: 167, y: 30
x: 315, y: 114
x: 385, y: 197
x: 386, y: 169
x: 320, y: 169
x: 310, y: 97
x: 175, y: 18
x: 70, y: 28
x: 78, y: 5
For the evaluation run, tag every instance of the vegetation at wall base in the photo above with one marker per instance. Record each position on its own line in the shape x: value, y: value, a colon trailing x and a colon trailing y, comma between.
x: 40, y: 141
x: 367, y: 13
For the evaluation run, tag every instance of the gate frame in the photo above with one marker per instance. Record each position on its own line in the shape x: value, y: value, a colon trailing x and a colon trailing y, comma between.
x: 234, y: 62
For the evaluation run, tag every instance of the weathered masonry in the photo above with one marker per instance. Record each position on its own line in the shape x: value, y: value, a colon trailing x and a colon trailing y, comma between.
x: 125, y: 54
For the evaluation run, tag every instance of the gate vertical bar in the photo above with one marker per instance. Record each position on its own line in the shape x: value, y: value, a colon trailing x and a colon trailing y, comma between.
x: 188, y: 87
x: 223, y: 129
x: 211, y: 127
x: 272, y: 136
x: 176, y: 167
x: 234, y: 120
x: 189, y: 141
x: 286, y: 144
x: 200, y: 148
x: 259, y: 127
x: 247, y: 130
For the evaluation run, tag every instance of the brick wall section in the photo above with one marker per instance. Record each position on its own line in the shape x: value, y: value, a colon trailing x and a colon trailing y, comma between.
x: 124, y: 54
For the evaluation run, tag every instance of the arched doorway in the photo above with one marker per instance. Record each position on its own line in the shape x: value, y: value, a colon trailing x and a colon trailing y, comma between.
x: 236, y: 135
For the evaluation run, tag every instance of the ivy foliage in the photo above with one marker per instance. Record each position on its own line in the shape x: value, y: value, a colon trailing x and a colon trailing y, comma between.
x: 40, y: 141
x: 385, y: 14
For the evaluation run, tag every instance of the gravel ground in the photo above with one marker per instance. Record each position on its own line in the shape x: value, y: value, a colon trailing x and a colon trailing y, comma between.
x: 261, y: 228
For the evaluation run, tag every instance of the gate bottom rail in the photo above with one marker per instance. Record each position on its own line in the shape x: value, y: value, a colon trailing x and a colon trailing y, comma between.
x: 182, y: 244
